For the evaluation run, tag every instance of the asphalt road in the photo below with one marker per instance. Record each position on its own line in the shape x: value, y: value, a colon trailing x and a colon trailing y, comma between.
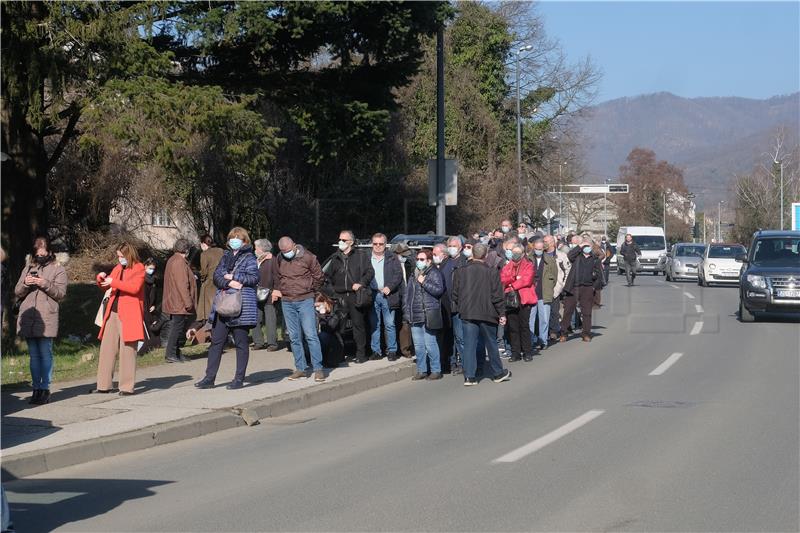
x: 621, y: 434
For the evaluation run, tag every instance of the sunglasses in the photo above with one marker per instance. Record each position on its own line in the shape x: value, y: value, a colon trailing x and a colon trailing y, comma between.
x: 378, y: 244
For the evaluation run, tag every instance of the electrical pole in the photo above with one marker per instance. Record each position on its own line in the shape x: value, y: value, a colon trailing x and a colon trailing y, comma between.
x: 440, y: 177
x: 719, y: 220
x: 519, y: 139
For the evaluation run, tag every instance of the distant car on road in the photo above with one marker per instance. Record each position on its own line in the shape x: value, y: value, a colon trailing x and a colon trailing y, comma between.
x: 771, y: 275
x: 418, y: 241
x: 722, y: 264
x: 683, y: 259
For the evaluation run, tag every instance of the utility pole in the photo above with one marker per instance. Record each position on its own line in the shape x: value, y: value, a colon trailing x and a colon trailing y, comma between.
x: 519, y: 139
x: 704, y: 227
x: 665, y: 213
x: 440, y: 178
x: 605, y: 211
x: 719, y: 220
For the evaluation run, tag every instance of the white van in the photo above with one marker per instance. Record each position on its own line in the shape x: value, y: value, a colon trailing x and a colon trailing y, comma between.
x: 652, y: 243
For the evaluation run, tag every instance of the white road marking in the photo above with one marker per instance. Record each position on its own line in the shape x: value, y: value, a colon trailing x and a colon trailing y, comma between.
x: 550, y: 438
x: 663, y: 367
x: 698, y: 308
x: 696, y: 329
x: 675, y: 287
x: 688, y: 295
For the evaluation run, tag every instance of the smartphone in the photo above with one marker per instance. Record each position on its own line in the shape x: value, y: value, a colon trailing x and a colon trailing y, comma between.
x: 34, y: 273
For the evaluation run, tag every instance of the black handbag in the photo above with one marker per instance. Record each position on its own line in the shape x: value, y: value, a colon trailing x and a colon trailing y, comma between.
x: 512, y: 300
x: 433, y: 317
x: 363, y: 297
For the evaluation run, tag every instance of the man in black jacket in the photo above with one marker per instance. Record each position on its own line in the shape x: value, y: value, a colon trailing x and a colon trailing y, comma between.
x: 349, y: 271
x: 585, y: 276
x: 477, y: 296
x: 629, y: 252
x: 403, y: 328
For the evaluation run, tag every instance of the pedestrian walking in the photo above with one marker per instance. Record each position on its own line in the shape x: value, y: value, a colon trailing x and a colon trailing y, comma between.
x: 178, y: 302
x: 123, y: 321
x: 267, y: 311
x: 41, y: 287
x: 630, y: 253
x: 386, y: 284
x: 209, y: 260
x: 423, y: 312
x: 517, y: 277
x: 234, y: 309
x: 478, y: 296
x: 584, y: 278
x: 298, y: 278
x: 348, y: 276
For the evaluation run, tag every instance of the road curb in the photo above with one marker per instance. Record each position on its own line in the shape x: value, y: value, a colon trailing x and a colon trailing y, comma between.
x: 40, y: 461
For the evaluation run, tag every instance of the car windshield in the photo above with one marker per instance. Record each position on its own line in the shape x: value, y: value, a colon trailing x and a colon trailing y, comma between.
x: 690, y: 251
x: 726, y: 252
x: 777, y: 252
x: 650, y: 242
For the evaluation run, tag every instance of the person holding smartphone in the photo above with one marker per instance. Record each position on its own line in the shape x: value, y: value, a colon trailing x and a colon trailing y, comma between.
x: 41, y: 287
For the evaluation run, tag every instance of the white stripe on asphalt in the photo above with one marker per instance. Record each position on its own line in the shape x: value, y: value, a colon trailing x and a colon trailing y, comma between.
x: 698, y: 308
x: 688, y: 295
x: 697, y: 328
x: 675, y: 287
x: 550, y: 438
x: 663, y: 367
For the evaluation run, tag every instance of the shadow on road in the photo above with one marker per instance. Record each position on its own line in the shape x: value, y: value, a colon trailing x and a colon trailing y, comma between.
x: 46, y: 504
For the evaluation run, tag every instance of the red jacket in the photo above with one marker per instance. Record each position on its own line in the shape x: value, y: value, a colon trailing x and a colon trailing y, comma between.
x: 130, y: 309
x: 520, y: 276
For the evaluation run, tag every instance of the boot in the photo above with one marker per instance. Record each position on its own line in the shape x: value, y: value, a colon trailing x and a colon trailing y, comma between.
x: 44, y: 397
x: 37, y: 393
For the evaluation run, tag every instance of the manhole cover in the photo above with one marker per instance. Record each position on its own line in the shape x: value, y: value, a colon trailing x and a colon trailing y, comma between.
x: 666, y: 404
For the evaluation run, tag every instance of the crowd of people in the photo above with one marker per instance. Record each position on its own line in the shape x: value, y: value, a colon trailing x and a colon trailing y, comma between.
x: 460, y: 307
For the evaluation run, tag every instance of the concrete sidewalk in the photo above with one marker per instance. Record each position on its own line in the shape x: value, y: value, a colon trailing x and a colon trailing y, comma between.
x: 78, y: 427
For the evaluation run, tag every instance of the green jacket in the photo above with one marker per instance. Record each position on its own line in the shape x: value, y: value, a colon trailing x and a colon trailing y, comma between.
x: 549, y: 276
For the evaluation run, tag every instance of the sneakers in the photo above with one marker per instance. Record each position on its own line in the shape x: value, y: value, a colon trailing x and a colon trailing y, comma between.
x: 469, y: 382
x: 298, y: 374
x: 319, y: 376
x: 376, y: 356
x: 505, y: 376
x: 434, y: 376
x: 419, y: 376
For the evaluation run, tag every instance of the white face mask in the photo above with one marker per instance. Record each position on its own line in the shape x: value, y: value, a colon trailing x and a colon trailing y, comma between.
x: 437, y: 259
x: 403, y: 259
x: 452, y: 251
x: 321, y: 309
x: 342, y: 246
x: 468, y: 252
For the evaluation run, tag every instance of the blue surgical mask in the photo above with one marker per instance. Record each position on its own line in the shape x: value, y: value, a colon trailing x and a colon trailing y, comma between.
x: 587, y: 249
x: 421, y: 265
x: 516, y: 257
x: 150, y: 271
x: 509, y: 254
x: 289, y: 254
x: 123, y: 261
x: 235, y: 243
x: 452, y: 251
x: 467, y: 252
x: 538, y: 252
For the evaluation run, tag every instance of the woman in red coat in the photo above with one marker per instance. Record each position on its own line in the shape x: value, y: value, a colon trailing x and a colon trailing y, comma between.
x: 517, y: 275
x: 123, y: 321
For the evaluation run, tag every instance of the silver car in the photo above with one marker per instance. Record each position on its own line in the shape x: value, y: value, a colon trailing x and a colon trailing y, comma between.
x: 683, y: 260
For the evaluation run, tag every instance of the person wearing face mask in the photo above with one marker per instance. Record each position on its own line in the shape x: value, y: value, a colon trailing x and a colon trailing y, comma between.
x: 423, y: 311
x: 237, y: 271
x: 563, y: 266
x: 330, y: 320
x: 267, y: 314
x: 209, y: 259
x: 505, y: 227
x: 348, y: 272
x: 518, y: 275
x: 452, y: 342
x: 178, y: 301
x: 441, y: 261
x: 297, y: 279
x: 545, y: 277
x: 152, y: 314
x: 404, y: 342
x: 585, y: 277
x: 41, y: 287
x: 123, y: 321
x: 630, y: 253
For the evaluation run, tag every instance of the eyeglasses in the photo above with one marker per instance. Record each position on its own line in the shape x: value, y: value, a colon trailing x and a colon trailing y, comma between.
x: 422, y: 258
x: 378, y: 244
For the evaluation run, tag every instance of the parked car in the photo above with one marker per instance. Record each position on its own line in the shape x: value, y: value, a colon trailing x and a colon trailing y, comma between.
x: 722, y: 264
x: 771, y: 275
x: 683, y: 259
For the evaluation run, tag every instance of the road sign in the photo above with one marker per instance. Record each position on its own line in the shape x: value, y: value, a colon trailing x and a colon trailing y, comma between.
x: 450, y: 179
x: 548, y: 213
x: 616, y: 188
x: 796, y: 216
x: 592, y: 189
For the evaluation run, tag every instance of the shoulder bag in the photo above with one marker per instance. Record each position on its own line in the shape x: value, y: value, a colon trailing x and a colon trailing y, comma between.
x: 228, y: 303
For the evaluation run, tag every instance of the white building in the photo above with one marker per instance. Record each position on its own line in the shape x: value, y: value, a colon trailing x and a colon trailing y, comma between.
x: 158, y: 228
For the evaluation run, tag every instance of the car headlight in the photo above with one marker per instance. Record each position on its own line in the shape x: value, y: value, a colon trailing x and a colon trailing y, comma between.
x: 757, y: 281
x: 712, y: 266
x: 677, y: 263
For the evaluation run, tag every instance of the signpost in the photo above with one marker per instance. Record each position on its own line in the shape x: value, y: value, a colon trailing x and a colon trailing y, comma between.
x: 796, y: 216
x: 548, y: 214
x: 450, y: 191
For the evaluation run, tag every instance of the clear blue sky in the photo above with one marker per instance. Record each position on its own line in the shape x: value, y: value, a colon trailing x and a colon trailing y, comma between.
x: 691, y: 49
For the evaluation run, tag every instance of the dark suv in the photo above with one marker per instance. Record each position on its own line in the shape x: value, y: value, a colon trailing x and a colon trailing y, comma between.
x: 770, y: 279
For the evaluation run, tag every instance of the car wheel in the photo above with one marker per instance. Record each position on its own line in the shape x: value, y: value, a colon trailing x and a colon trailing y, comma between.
x: 744, y: 314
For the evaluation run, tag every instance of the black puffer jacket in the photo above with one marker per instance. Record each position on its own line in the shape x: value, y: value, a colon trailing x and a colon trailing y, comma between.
x: 345, y: 270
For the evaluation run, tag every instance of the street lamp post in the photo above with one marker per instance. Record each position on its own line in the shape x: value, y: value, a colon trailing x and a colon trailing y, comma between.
x: 781, y: 205
x: 519, y: 137
x: 719, y: 220
x: 605, y: 211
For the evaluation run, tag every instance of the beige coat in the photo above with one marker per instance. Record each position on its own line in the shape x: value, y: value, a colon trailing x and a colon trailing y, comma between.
x: 208, y: 264
x: 38, y: 313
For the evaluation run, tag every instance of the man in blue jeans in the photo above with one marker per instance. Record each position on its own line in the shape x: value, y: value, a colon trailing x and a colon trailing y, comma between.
x: 385, y: 297
x: 478, y: 295
x: 297, y: 278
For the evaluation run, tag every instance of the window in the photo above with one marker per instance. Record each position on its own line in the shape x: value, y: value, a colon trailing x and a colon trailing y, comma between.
x: 777, y: 252
x: 731, y: 252
x: 690, y: 251
x: 650, y: 242
x: 161, y: 218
